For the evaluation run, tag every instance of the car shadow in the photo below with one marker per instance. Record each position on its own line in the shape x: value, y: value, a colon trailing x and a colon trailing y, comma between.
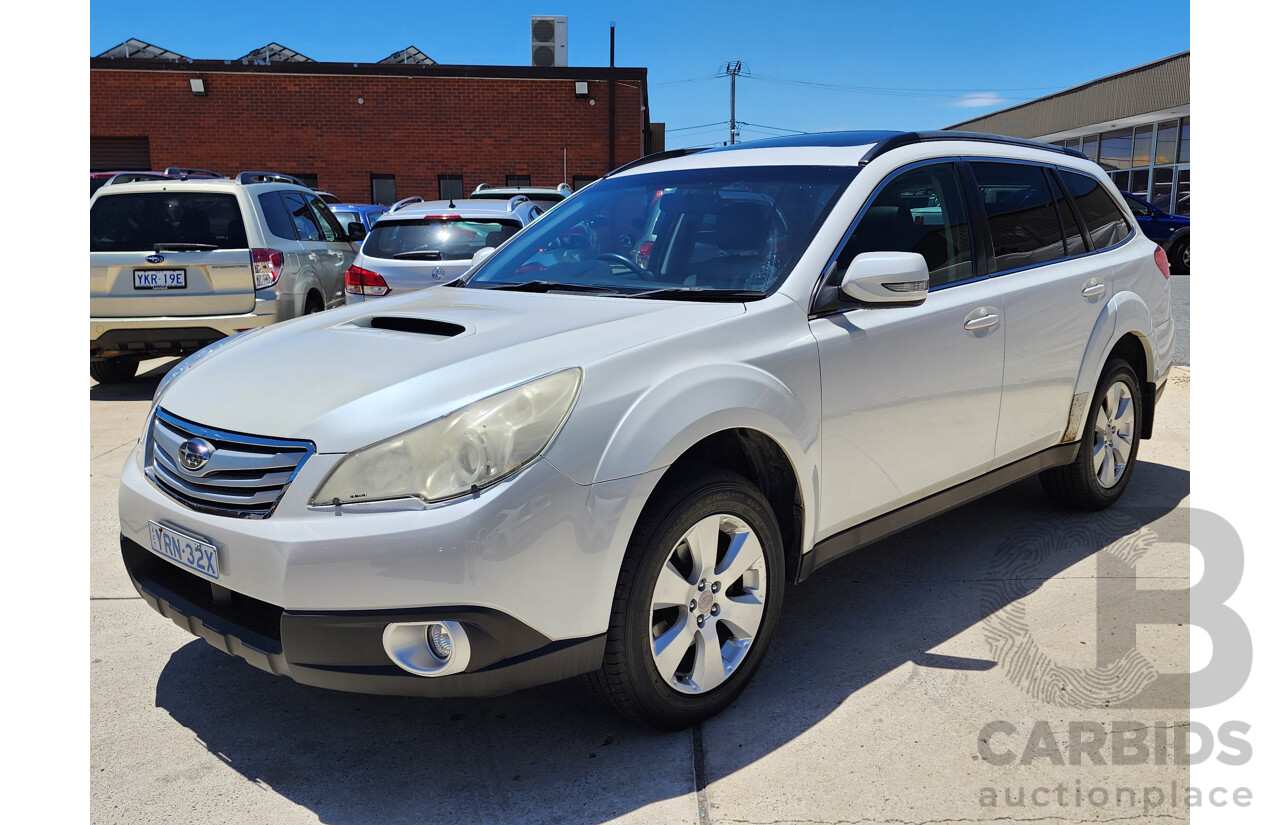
x: 551, y: 754
x: 141, y: 387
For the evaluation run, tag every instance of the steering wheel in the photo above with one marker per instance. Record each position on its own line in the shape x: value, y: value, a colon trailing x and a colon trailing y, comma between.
x: 615, y: 258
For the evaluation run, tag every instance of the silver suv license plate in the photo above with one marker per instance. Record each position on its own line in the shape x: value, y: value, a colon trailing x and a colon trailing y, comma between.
x: 159, y: 279
x: 192, y: 554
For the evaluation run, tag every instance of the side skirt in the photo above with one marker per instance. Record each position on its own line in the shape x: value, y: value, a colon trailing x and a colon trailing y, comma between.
x: 855, y: 538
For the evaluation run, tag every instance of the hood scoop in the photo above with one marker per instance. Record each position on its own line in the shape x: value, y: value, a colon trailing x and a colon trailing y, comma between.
x: 420, y: 326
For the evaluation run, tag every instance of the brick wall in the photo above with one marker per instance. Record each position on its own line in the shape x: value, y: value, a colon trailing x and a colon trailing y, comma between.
x: 413, y: 127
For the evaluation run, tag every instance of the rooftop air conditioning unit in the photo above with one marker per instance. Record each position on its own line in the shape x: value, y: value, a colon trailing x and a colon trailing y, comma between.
x: 550, y: 41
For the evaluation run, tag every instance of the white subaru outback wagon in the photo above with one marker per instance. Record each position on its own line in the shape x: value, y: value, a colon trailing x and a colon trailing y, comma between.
x: 606, y: 449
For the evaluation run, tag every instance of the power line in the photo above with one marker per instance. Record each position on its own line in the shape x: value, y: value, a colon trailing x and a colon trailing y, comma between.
x: 703, y: 126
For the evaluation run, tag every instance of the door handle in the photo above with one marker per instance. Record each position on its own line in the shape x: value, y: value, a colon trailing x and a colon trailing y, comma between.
x: 1093, y: 290
x: 982, y: 322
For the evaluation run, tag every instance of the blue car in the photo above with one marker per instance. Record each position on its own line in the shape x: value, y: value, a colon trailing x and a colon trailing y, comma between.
x: 1173, y: 232
x: 364, y: 213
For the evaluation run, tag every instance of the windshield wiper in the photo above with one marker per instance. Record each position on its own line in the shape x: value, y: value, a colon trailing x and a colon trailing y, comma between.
x: 175, y: 246
x: 554, y: 286
x: 701, y: 293
x: 419, y: 255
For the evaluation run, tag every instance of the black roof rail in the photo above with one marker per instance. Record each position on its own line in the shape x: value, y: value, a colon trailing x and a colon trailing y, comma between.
x: 656, y: 156
x: 908, y: 138
x: 184, y: 172
x: 268, y: 177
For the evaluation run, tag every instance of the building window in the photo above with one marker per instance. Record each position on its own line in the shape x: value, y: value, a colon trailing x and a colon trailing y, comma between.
x: 1142, y: 147
x: 517, y: 180
x: 580, y: 181
x: 309, y: 180
x: 1167, y: 142
x: 1184, y: 144
x: 1117, y: 149
x: 1182, y: 203
x: 1090, y: 147
x: 383, y: 188
x: 450, y: 187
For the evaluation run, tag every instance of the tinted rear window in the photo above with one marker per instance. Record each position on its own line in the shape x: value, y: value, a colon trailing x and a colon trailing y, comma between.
x: 435, y: 239
x: 1105, y: 223
x: 138, y: 221
x: 1021, y: 214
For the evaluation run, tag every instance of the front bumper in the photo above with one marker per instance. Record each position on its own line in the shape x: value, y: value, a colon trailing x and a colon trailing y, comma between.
x: 343, y: 650
x: 528, y: 566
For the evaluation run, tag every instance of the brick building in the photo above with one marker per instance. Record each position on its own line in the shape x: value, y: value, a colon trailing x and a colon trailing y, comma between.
x: 366, y: 132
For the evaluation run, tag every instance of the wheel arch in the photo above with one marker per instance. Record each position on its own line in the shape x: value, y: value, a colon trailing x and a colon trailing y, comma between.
x: 1123, y: 329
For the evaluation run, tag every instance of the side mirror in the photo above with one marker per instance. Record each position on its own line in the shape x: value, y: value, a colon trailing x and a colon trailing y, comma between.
x: 887, y: 279
x: 482, y: 255
x: 356, y: 231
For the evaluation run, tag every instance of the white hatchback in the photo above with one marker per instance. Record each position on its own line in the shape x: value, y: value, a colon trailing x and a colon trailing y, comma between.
x: 608, y: 448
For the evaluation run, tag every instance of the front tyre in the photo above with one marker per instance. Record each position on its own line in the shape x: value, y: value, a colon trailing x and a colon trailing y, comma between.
x: 697, y: 601
x: 1109, y: 447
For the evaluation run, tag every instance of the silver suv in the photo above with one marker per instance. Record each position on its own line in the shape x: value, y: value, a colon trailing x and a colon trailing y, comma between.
x: 177, y: 264
x: 609, y: 448
x: 418, y: 244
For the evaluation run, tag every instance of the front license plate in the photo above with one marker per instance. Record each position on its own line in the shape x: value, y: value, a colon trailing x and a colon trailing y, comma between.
x: 159, y: 279
x: 192, y: 554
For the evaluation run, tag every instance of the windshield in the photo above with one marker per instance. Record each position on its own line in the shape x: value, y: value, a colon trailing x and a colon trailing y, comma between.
x: 139, y: 220
x: 733, y: 229
x: 436, y: 239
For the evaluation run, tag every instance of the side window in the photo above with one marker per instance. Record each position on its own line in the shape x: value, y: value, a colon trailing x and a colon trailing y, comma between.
x: 1070, y: 225
x: 279, y: 222
x: 1020, y: 214
x: 1102, y: 217
x: 1138, y: 208
x: 330, y: 229
x: 920, y: 211
x: 304, y: 220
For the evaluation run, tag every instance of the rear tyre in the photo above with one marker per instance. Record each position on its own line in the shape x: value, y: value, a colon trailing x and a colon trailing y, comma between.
x: 114, y: 370
x: 1180, y: 256
x: 697, y: 600
x: 313, y: 305
x: 1108, y: 448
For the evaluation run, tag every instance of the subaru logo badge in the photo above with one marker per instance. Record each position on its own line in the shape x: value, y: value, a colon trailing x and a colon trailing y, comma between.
x: 438, y: 274
x: 155, y: 259
x: 195, y: 453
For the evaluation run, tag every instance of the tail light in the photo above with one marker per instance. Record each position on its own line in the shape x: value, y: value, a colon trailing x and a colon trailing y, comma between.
x: 643, y: 253
x: 362, y: 281
x: 1162, y: 261
x: 267, y: 266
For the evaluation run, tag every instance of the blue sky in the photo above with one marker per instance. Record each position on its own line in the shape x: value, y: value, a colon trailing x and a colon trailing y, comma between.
x: 814, y: 66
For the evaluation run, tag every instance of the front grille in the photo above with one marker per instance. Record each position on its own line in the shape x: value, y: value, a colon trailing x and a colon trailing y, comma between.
x: 245, y: 475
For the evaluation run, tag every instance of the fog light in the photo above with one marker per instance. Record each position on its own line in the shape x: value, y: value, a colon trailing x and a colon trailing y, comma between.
x: 441, y: 644
x: 427, y: 648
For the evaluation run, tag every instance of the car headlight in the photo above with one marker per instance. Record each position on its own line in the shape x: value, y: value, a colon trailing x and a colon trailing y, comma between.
x: 463, y: 452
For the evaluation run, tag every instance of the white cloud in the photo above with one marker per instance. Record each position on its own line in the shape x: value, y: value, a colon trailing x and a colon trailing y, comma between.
x: 978, y: 99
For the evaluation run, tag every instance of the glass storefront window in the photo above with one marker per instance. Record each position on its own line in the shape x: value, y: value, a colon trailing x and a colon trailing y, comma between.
x: 1073, y: 143
x: 1121, y: 180
x: 1142, y: 146
x: 1138, y: 182
x: 1167, y: 142
x: 1090, y: 147
x: 1162, y: 188
x: 1117, y: 149
x: 1182, y: 202
x: 1184, y: 145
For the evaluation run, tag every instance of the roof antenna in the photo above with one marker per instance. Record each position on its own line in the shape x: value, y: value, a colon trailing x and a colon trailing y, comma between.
x: 451, y: 204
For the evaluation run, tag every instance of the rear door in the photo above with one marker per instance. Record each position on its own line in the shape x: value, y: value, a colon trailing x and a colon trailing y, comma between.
x: 168, y: 253
x: 339, y: 253
x: 1054, y: 291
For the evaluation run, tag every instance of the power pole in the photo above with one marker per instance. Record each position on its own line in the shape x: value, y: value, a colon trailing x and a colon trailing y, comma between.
x: 733, y: 68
